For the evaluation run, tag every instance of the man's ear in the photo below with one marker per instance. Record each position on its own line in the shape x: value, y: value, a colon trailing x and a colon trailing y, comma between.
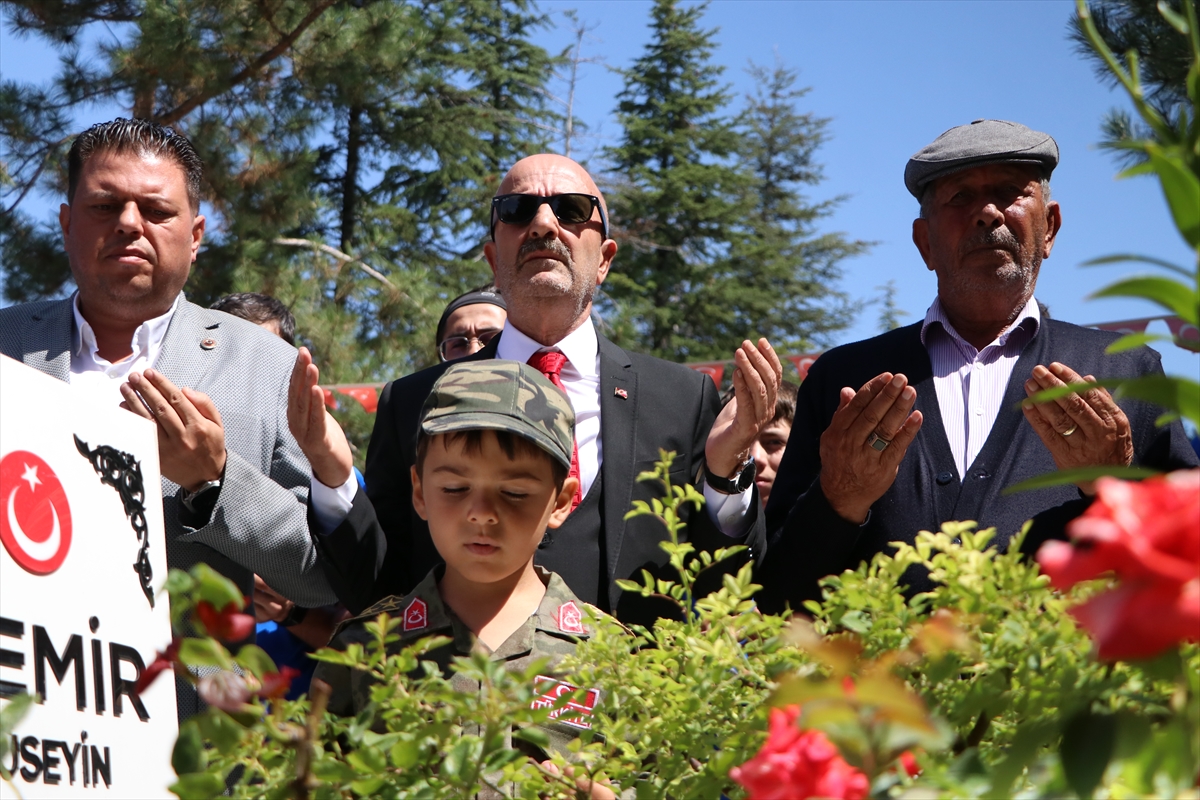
x: 1053, y: 226
x: 418, y: 498
x: 64, y: 219
x: 562, y: 503
x: 489, y: 252
x: 197, y: 234
x: 920, y: 236
x: 608, y: 251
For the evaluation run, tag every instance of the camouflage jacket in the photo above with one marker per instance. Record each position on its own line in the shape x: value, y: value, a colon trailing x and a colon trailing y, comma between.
x: 552, y: 632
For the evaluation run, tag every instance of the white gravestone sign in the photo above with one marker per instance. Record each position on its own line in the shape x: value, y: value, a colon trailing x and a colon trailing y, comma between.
x: 82, y: 560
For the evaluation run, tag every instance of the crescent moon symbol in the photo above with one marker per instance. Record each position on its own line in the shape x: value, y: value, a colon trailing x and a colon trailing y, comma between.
x: 38, y: 551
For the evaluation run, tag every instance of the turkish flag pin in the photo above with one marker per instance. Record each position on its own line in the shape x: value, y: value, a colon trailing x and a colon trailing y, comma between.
x: 570, y: 618
x: 415, y: 616
x: 621, y: 393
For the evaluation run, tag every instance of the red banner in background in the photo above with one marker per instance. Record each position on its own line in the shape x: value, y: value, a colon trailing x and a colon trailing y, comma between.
x: 713, y: 369
x: 802, y: 363
x: 1183, y: 330
x: 367, y: 394
x: 1128, y: 326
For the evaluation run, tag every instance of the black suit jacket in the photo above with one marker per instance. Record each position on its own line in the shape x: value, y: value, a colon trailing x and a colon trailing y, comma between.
x: 384, y: 548
x: 808, y: 540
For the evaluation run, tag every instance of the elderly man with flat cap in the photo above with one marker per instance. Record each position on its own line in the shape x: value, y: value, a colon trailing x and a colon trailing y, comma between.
x: 926, y: 423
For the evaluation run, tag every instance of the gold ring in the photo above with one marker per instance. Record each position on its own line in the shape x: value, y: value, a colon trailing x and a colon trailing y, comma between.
x: 877, y: 442
x: 1071, y: 430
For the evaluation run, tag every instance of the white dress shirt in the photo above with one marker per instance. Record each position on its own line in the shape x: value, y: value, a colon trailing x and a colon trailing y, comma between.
x: 970, y: 383
x: 102, y: 379
x: 581, y: 378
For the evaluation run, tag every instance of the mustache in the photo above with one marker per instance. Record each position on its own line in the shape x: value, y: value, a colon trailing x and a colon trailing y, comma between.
x: 996, y: 238
x: 546, y: 246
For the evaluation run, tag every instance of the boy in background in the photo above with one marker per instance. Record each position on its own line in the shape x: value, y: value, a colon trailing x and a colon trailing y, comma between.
x: 491, y: 475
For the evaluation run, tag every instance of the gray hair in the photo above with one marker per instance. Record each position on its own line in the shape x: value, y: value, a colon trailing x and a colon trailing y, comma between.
x: 926, y: 197
x: 147, y: 139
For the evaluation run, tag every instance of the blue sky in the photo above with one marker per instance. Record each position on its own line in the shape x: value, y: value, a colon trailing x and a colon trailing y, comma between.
x: 892, y: 76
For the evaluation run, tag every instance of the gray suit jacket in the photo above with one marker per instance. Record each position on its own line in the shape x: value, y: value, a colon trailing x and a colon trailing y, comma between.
x: 259, y: 523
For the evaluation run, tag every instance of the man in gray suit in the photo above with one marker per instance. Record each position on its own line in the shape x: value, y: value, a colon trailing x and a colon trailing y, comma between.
x: 234, y: 481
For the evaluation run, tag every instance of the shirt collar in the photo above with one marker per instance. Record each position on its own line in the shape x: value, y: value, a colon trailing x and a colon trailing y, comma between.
x: 1029, y: 319
x: 147, y: 338
x: 579, y: 346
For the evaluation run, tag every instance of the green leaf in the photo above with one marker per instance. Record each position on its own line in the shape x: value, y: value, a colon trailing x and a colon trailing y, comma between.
x: 204, y: 653
x: 368, y: 759
x: 1087, y: 745
x: 215, y: 587
x: 1180, y: 395
x: 1133, y: 340
x: 533, y: 735
x: 1176, y: 20
x: 1028, y: 740
x: 198, y: 786
x: 179, y: 583
x: 1168, y: 293
x: 255, y: 660
x: 219, y: 729
x: 405, y: 754
x: 367, y: 787
x: 1122, y: 257
x: 1064, y: 476
x: 188, y: 755
x: 1182, y: 190
x: 12, y: 714
x: 1055, y: 392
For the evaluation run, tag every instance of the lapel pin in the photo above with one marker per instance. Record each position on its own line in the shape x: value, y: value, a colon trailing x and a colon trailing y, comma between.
x: 621, y: 393
x: 208, y: 344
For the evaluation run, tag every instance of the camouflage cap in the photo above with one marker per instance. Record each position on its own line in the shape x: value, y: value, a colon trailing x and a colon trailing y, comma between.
x: 498, y: 395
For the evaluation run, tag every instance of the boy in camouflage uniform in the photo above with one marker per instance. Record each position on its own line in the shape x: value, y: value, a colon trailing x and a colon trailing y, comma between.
x: 491, y: 475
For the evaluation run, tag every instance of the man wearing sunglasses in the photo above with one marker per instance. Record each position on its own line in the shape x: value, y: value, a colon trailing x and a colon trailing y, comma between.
x: 549, y: 251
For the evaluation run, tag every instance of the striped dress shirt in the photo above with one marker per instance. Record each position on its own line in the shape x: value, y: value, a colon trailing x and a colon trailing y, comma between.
x: 971, y: 383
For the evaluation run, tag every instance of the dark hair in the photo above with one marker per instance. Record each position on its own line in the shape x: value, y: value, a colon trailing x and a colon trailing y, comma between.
x: 511, y: 443
x: 259, y: 308
x: 136, y: 136
x: 785, y: 401
x: 488, y: 293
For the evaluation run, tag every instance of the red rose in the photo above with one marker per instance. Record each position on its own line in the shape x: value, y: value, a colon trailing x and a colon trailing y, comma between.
x: 795, y: 764
x: 228, y: 624
x: 1148, y: 535
x: 162, y: 660
x: 909, y: 763
x: 276, y: 684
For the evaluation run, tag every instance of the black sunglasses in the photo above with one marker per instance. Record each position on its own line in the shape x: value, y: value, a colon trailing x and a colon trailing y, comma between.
x: 570, y: 208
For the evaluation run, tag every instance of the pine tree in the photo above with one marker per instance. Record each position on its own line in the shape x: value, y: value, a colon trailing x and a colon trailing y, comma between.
x: 1164, y: 59
x: 718, y: 243
x: 675, y: 191
x: 341, y: 143
x: 785, y: 271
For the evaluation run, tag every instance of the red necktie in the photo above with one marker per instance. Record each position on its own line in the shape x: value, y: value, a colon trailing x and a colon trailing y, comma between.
x: 550, y: 364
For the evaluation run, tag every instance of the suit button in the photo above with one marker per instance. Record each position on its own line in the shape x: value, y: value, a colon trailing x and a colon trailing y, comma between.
x: 944, y: 478
x: 981, y: 474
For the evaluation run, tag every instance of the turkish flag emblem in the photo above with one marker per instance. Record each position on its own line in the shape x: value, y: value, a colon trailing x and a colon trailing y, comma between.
x: 35, y: 521
x: 570, y: 618
x: 415, y: 616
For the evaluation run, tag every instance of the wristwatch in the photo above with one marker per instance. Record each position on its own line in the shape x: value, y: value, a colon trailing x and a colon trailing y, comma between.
x: 295, y: 616
x: 189, y: 498
x: 739, y: 483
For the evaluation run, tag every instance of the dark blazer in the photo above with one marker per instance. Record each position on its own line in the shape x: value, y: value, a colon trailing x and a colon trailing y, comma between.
x: 384, y: 548
x: 808, y: 540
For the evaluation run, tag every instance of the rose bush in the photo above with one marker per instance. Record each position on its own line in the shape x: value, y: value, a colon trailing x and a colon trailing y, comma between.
x: 794, y: 763
x: 1147, y: 534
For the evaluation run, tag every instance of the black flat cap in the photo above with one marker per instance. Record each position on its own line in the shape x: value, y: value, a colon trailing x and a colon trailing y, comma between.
x: 984, y: 141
